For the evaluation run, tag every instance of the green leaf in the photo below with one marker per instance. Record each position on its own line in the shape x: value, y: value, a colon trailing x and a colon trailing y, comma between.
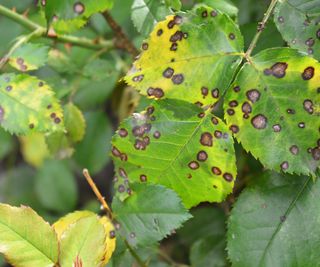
x: 6, y: 143
x: 71, y: 15
x: 149, y: 214
x: 224, y: 6
x: 26, y: 239
x: 297, y: 21
x: 175, y: 4
x: 74, y: 122
x: 275, y: 222
x: 56, y: 187
x: 83, y: 243
x: 94, y: 155
x: 191, y: 56
x: 175, y: 144
x: 209, y: 251
x: 29, y: 57
x: 28, y: 105
x: 147, y: 13
x: 273, y: 110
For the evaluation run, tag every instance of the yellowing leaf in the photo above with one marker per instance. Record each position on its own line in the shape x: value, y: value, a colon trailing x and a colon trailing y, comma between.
x: 110, y: 240
x: 28, y: 105
x: 26, y: 239
x: 191, y: 56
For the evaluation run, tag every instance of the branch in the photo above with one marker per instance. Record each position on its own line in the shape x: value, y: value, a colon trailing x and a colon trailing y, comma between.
x: 261, y: 27
x: 95, y: 44
x: 122, y: 40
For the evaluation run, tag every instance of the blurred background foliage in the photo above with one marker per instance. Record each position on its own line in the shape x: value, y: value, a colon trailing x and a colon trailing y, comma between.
x: 91, y: 80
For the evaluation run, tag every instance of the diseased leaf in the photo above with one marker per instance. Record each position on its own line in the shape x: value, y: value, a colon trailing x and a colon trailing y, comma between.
x: 149, y: 214
x: 56, y: 187
x: 70, y: 15
x: 146, y: 14
x: 85, y: 242
x: 275, y: 222
x: 224, y: 6
x: 27, y: 105
x: 273, y: 109
x: 26, y: 239
x: 298, y: 22
x: 191, y: 56
x: 29, y: 57
x: 175, y: 144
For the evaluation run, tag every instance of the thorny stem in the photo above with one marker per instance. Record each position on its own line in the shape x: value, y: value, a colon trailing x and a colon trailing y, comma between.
x: 261, y: 27
x: 97, y: 193
x: 122, y: 40
x: 95, y: 44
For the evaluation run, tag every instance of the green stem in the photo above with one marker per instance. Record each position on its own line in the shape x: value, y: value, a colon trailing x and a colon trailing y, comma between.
x: 78, y: 41
x: 135, y: 255
x: 261, y: 27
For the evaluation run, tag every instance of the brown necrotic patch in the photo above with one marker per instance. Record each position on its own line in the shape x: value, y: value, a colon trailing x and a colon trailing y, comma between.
x: 284, y: 165
x: 294, y: 150
x: 216, y: 171
x: 204, y: 91
x: 206, y: 139
x: 145, y: 46
x: 230, y: 111
x: 246, y: 108
x: 233, y: 103
x: 228, y: 177
x: 78, y: 8
x: 177, y: 20
x: 308, y: 73
x: 177, y: 36
x: 156, y: 92
x: 143, y: 178
x: 308, y: 106
x: 236, y: 89
x: 174, y: 47
x: 215, y: 93
x: 140, y: 144
x: 278, y: 70
x: 253, y: 95
x: 150, y: 110
x: 218, y: 134
x: 315, y: 152
x: 276, y: 128
x: 202, y: 155
x: 138, y: 78
x: 259, y: 121
x: 234, y: 128
x: 157, y: 134
x: 159, y: 32
x: 168, y: 72
x: 57, y: 120
x: 177, y: 79
x: 193, y: 165
x: 214, y: 120
x: 123, y: 132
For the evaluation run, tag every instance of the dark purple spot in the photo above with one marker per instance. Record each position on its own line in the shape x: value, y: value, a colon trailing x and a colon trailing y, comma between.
x: 253, y: 95
x: 204, y: 14
x: 216, y: 171
x: 215, y: 93
x: 145, y: 46
x: 315, y: 152
x: 112, y: 234
x: 121, y: 188
x: 236, y: 89
x: 202, y: 155
x: 8, y: 88
x: 259, y: 121
x: 171, y: 24
x: 168, y: 73
x: 213, y: 13
x: 246, y: 108
x: 78, y: 7
x: 201, y: 115
x: 310, y: 42
x: 20, y: 61
x: 1, y: 114
x: 204, y: 91
x: 123, y: 173
x: 193, y: 165
x: 143, y: 178
x: 276, y: 128
x: 40, y: 84
x: 291, y: 111
x: 177, y: 79
x: 218, y: 134
x: 57, y: 120
x: 284, y: 165
x: 234, y: 128
x: 206, y: 139
x: 308, y: 106
x: 230, y: 111
x: 233, y: 103
x: 174, y: 47
x: 138, y: 78
x: 308, y: 73
x: 278, y: 70
x: 177, y: 19
x: 159, y: 32
x: 281, y: 19
x: 214, y: 120
x: 157, y: 134
x: 294, y: 150
x: 123, y: 132
x: 232, y: 36
x: 177, y: 36
x: 228, y: 177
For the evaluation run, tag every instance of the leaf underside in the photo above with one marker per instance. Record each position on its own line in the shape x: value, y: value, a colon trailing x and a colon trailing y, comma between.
x: 273, y: 108
x: 276, y: 223
x: 175, y: 144
x: 191, y: 56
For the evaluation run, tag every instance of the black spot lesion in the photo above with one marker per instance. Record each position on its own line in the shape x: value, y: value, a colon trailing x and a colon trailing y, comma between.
x: 259, y: 121
x: 177, y: 79
x: 278, y: 70
x: 155, y: 92
x: 308, y: 73
x: 206, y: 139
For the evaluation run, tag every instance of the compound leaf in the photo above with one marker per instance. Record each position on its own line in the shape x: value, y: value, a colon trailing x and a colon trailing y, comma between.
x: 175, y: 144
x: 149, y: 214
x: 29, y: 57
x: 272, y: 215
x: 26, y: 239
x: 273, y: 110
x: 27, y: 105
x: 298, y: 23
x: 191, y: 56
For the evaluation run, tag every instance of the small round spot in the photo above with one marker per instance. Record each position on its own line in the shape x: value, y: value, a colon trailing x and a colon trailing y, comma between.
x: 308, y: 106
x: 193, y: 165
x: 57, y: 120
x: 31, y: 125
x: 218, y: 134
x: 40, y: 84
x: 49, y: 106
x: 159, y: 32
x: 215, y: 93
x: 253, y: 95
x: 310, y: 51
x: 202, y: 155
x: 8, y: 88
x: 121, y: 188
x: 123, y: 132
x: 308, y: 73
x: 318, y: 34
x: 123, y: 173
x: 230, y: 111
x: 168, y: 73
x: 246, y: 108
x: 145, y: 46
x: 177, y: 36
x: 157, y: 134
x: 213, y: 13
x: 236, y: 89
x: 150, y: 110
x: 301, y: 125
x: 138, y: 78
x: 214, y: 120
x: 279, y: 69
x: 143, y: 178
x: 228, y: 177
x: 177, y: 79
x: 201, y: 115
x: 284, y: 165
x: 174, y: 47
x: 232, y: 36
x: 189, y: 176
x: 204, y: 14
x: 294, y: 150
x: 78, y: 7
x: 281, y: 19
x: 177, y: 19
x: 185, y: 35
x: 259, y: 121
x: 132, y: 235
x: 315, y: 152
x: 291, y: 111
x: 115, y: 152
x: 206, y: 139
x: 216, y: 171
x: 20, y: 61
x: 233, y: 103
x: 234, y: 128
x: 276, y: 128
x: 204, y: 91
x: 112, y: 234
x: 310, y: 42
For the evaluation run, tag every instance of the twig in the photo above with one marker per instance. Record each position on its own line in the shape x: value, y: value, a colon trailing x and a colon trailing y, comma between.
x: 97, y: 193
x: 261, y: 27
x: 122, y: 41
x: 78, y: 41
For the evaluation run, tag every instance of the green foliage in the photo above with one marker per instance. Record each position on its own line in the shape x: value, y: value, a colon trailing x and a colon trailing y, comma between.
x: 298, y: 23
x: 27, y: 105
x: 274, y: 213
x: 258, y: 109
x: 183, y: 55
x: 150, y: 214
x: 175, y: 144
x: 224, y: 6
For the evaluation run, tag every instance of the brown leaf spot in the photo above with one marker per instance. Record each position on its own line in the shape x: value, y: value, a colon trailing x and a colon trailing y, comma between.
x: 202, y: 155
x: 308, y: 73
x: 206, y: 139
x: 259, y: 121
